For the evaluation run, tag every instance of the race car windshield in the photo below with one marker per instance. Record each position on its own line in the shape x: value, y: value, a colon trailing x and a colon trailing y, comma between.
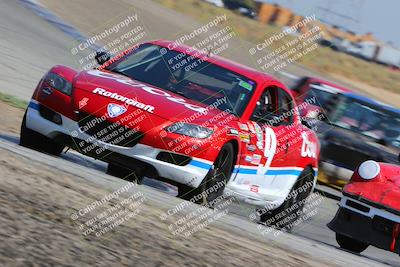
x: 368, y: 120
x: 321, y: 96
x: 189, y: 76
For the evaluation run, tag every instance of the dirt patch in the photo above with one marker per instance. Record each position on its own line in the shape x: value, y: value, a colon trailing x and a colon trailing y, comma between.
x: 11, y: 118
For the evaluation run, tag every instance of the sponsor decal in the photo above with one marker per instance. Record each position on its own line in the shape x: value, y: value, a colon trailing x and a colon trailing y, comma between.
x: 259, y: 134
x: 244, y: 137
x: 251, y: 148
x: 248, y: 158
x: 308, y: 148
x: 246, y: 85
x: 260, y: 145
x: 115, y: 110
x: 148, y: 89
x: 83, y: 102
x: 256, y: 159
x: 254, y: 188
x: 251, y: 127
x: 232, y: 131
x: 243, y: 126
x: 126, y: 100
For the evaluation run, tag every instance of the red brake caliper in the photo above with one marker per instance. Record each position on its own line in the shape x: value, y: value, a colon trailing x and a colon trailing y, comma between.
x: 395, y: 234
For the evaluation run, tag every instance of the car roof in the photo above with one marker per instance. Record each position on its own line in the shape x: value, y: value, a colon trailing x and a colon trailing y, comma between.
x: 218, y: 60
x: 318, y: 80
x: 372, y: 101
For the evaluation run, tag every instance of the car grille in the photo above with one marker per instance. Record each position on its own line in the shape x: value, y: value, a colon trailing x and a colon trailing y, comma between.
x: 108, y: 132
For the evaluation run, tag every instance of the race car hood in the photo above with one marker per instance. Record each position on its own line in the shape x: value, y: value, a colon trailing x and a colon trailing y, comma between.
x: 106, y: 87
x: 382, y: 191
x: 348, y: 149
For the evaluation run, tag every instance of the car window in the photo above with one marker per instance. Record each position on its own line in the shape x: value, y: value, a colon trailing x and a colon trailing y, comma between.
x: 319, y: 97
x: 191, y: 77
x: 267, y: 107
x: 286, y: 107
x: 367, y: 119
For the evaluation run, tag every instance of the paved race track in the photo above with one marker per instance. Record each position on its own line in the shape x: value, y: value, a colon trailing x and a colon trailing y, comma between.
x: 29, y: 46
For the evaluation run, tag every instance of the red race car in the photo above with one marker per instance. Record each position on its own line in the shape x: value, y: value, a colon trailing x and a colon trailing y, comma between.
x: 174, y: 113
x: 369, y: 212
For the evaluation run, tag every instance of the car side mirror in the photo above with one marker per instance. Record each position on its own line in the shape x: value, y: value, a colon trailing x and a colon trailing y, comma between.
x: 102, y: 57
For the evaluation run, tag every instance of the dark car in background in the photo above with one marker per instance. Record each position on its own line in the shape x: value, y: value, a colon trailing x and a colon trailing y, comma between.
x: 357, y: 129
x: 315, y: 93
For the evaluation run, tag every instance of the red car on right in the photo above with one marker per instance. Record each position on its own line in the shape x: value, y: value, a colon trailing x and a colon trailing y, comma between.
x: 369, y: 211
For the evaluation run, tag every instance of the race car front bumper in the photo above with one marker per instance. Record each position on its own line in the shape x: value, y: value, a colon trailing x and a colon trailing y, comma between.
x: 68, y: 132
x: 366, y: 223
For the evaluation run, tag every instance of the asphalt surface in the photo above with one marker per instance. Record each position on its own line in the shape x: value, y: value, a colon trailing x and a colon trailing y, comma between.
x: 29, y: 46
x: 235, y: 221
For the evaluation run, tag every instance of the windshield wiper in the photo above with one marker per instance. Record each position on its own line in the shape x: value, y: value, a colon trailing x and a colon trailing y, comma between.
x: 119, y: 72
x: 178, y: 93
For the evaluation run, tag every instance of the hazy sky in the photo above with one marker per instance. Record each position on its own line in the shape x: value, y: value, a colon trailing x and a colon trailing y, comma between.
x: 381, y: 17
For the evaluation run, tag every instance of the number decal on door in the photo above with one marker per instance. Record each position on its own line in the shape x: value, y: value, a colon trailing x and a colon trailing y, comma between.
x: 308, y: 148
x: 269, y: 150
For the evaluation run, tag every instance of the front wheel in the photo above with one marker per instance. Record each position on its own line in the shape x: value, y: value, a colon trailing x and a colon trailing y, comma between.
x: 214, y: 183
x: 351, y: 244
x: 285, y: 216
x: 34, y: 140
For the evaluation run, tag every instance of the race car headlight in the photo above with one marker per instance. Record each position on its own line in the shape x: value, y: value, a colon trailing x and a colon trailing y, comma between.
x: 191, y: 130
x: 58, y: 83
x: 369, y: 169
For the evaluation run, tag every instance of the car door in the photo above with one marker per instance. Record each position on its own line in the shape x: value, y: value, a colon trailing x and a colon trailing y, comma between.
x: 266, y: 147
x: 290, y: 129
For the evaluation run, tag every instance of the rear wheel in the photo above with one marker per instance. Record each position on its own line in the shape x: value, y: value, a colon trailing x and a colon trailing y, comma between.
x: 214, y: 183
x: 350, y: 243
x: 123, y: 173
x: 285, y: 216
x: 34, y: 140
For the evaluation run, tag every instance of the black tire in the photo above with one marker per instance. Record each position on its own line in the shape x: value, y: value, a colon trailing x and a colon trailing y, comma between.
x: 123, y: 173
x: 217, y: 177
x: 285, y: 216
x: 351, y: 244
x: 34, y: 140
